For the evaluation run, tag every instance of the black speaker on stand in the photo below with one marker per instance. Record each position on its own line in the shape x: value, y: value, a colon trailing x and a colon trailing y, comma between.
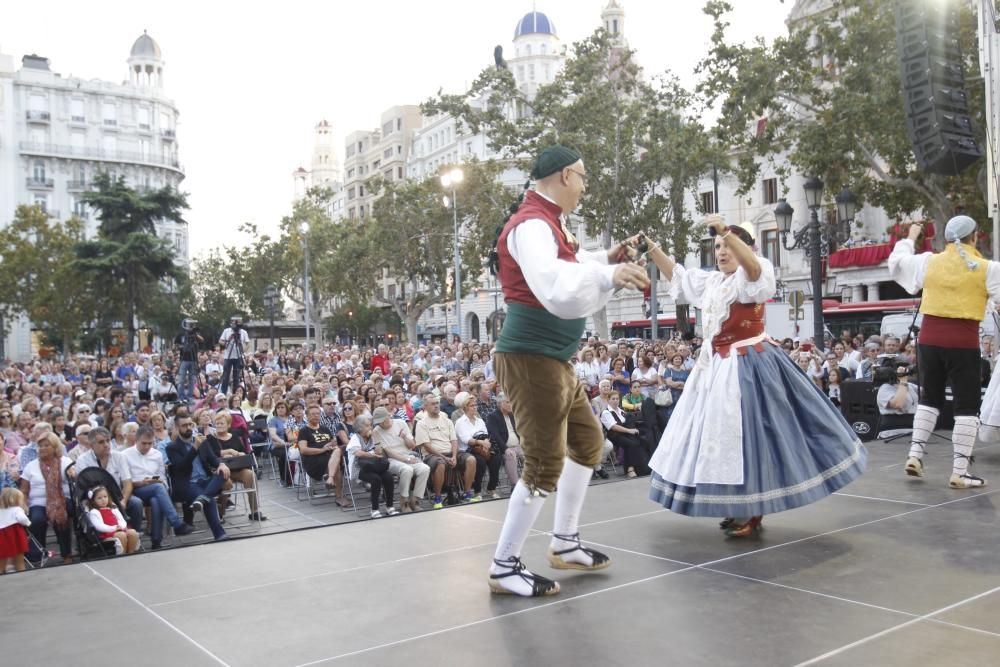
x: 932, y: 77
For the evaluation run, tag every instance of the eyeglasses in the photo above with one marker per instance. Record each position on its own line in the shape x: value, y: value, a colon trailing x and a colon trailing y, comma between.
x: 583, y: 176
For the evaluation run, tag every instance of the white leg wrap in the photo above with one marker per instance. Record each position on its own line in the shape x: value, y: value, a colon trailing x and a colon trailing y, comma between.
x: 924, y: 422
x: 963, y: 439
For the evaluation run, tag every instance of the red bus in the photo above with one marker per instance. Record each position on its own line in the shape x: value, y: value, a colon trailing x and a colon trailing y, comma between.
x: 667, y: 325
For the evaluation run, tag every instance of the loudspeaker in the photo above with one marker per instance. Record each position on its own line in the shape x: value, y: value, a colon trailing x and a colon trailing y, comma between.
x: 932, y: 78
x: 858, y: 405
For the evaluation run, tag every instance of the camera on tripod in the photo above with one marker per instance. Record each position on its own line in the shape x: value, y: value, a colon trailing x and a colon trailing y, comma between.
x: 887, y: 372
x: 189, y: 325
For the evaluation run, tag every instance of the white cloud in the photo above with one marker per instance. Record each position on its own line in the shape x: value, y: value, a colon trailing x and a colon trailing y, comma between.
x: 251, y: 83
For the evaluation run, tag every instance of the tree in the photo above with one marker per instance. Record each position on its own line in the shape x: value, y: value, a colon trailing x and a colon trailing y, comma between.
x: 38, y: 277
x: 131, y: 264
x: 412, y: 238
x: 638, y: 172
x: 829, y: 97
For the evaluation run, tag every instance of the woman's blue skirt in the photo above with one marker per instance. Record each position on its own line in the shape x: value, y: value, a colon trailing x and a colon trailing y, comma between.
x: 797, y: 447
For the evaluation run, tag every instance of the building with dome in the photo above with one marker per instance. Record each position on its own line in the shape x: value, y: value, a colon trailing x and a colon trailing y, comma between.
x: 57, y: 133
x: 538, y: 53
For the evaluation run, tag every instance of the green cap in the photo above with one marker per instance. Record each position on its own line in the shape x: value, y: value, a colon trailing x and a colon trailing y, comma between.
x: 552, y: 159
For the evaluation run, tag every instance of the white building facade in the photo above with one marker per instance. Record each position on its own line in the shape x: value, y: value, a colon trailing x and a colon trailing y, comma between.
x: 57, y: 133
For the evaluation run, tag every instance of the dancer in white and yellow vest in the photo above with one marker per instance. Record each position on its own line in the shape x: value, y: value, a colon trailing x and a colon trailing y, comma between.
x: 957, y: 284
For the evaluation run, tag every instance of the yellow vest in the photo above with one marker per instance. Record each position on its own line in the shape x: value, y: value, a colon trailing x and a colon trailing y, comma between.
x: 951, y: 289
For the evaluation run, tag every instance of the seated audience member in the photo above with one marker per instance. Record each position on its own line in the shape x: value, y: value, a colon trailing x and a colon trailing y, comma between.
x: 504, y: 438
x: 281, y: 439
x: 109, y: 522
x: 473, y: 438
x: 897, y: 403
x: 369, y: 464
x: 223, y: 446
x: 622, y: 434
x: 435, y: 432
x: 192, y: 483
x: 101, y: 455
x: 45, y: 483
x: 319, y: 451
x: 149, y: 484
x: 404, y: 460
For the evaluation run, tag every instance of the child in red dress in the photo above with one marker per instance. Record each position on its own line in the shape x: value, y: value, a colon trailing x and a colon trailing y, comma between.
x: 109, y: 522
x: 13, y: 538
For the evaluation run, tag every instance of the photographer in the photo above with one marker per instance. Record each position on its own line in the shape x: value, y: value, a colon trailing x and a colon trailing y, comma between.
x: 897, y: 398
x: 235, y: 339
x: 187, y: 344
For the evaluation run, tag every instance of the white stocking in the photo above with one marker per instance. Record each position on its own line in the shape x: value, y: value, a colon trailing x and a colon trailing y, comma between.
x: 522, y: 511
x: 571, y: 491
x: 963, y: 439
x: 924, y: 422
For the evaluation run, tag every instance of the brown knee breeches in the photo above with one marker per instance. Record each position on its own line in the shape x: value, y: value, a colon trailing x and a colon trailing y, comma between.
x: 552, y: 413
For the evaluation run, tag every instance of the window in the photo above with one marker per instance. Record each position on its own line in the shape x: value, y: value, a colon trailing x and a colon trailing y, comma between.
x: 361, y: 193
x: 110, y: 114
x: 80, y: 209
x: 387, y: 153
x: 42, y: 202
x: 142, y: 118
x: 76, y: 111
x: 350, y: 193
x: 399, y: 124
x: 527, y: 50
x: 144, y: 149
x: 391, y: 291
x: 38, y: 171
x: 350, y: 173
x: 708, y: 203
x: 399, y: 173
x: 770, y: 187
x: 545, y: 49
x: 399, y: 149
x: 38, y: 103
x: 545, y: 69
x: 468, y: 147
x: 531, y: 72
x: 387, y: 129
x: 350, y: 150
x: 361, y: 211
x: 770, y: 247
x: 614, y: 26
x: 388, y: 174
x: 706, y: 250
x: 350, y: 213
x: 520, y: 72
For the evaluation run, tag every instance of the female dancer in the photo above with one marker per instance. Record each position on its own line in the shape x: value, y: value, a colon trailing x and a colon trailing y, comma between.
x: 751, y: 434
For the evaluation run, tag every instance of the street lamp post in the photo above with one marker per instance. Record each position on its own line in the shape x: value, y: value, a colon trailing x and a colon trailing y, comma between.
x: 815, y: 238
x: 451, y: 179
x: 304, y: 229
x: 270, y: 301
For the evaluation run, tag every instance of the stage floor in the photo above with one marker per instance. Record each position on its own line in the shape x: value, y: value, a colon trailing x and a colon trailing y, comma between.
x: 893, y: 571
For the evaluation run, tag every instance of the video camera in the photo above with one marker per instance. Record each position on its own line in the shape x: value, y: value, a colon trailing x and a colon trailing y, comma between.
x: 887, y: 372
x: 235, y: 323
x: 189, y: 324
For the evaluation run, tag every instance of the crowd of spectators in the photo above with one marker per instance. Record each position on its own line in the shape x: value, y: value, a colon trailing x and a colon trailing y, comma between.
x: 427, y: 420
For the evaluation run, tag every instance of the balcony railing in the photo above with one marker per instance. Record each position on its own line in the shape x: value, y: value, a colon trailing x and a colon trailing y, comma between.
x: 39, y: 183
x: 77, y: 119
x: 76, y: 185
x: 90, y: 152
x: 110, y: 122
x: 169, y: 134
x: 38, y: 116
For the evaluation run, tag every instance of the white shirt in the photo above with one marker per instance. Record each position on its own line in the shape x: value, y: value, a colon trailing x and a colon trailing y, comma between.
x: 909, y: 269
x: 33, y: 473
x: 11, y: 515
x: 231, y: 350
x: 566, y: 289
x: 145, y: 467
x: 589, y: 372
x: 116, y: 465
x: 649, y: 375
x: 466, y: 429
x: 213, y: 366
x: 392, y: 439
x: 608, y: 420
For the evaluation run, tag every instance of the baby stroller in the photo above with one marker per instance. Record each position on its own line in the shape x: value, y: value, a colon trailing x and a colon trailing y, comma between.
x: 88, y: 540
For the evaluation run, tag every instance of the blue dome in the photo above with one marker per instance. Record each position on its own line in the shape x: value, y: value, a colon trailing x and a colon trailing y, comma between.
x: 534, y: 22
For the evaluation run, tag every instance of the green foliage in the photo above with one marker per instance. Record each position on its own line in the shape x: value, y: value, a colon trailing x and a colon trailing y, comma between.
x: 38, y: 276
x: 126, y: 260
x: 835, y: 105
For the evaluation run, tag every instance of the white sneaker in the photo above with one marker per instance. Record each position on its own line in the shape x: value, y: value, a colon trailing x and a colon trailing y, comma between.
x: 376, y: 514
x: 392, y: 511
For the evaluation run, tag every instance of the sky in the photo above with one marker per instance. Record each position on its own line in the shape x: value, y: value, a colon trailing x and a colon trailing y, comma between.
x: 251, y: 82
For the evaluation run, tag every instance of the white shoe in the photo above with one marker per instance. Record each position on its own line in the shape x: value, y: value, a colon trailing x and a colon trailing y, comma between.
x: 392, y: 511
x: 966, y: 481
x: 376, y: 514
x: 914, y: 467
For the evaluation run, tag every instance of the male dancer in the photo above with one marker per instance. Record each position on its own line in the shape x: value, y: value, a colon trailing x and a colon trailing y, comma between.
x: 956, y: 284
x: 550, y: 288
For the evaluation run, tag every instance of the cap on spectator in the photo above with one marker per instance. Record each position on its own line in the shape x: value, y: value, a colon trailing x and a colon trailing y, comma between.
x: 380, y: 415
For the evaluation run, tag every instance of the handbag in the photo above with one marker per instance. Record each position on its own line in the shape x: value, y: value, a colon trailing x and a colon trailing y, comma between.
x: 241, y: 462
x: 663, y: 398
x: 485, y: 451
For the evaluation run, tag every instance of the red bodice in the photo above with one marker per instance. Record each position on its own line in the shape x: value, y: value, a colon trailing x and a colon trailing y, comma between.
x: 746, y: 320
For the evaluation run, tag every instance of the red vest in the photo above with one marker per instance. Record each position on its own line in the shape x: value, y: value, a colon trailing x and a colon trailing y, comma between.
x: 534, y: 206
x: 109, y: 519
x: 746, y: 320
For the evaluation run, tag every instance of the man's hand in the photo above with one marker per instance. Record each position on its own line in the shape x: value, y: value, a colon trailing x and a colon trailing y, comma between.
x: 198, y: 439
x: 224, y: 469
x: 915, y: 229
x: 631, y: 275
x: 624, y: 251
